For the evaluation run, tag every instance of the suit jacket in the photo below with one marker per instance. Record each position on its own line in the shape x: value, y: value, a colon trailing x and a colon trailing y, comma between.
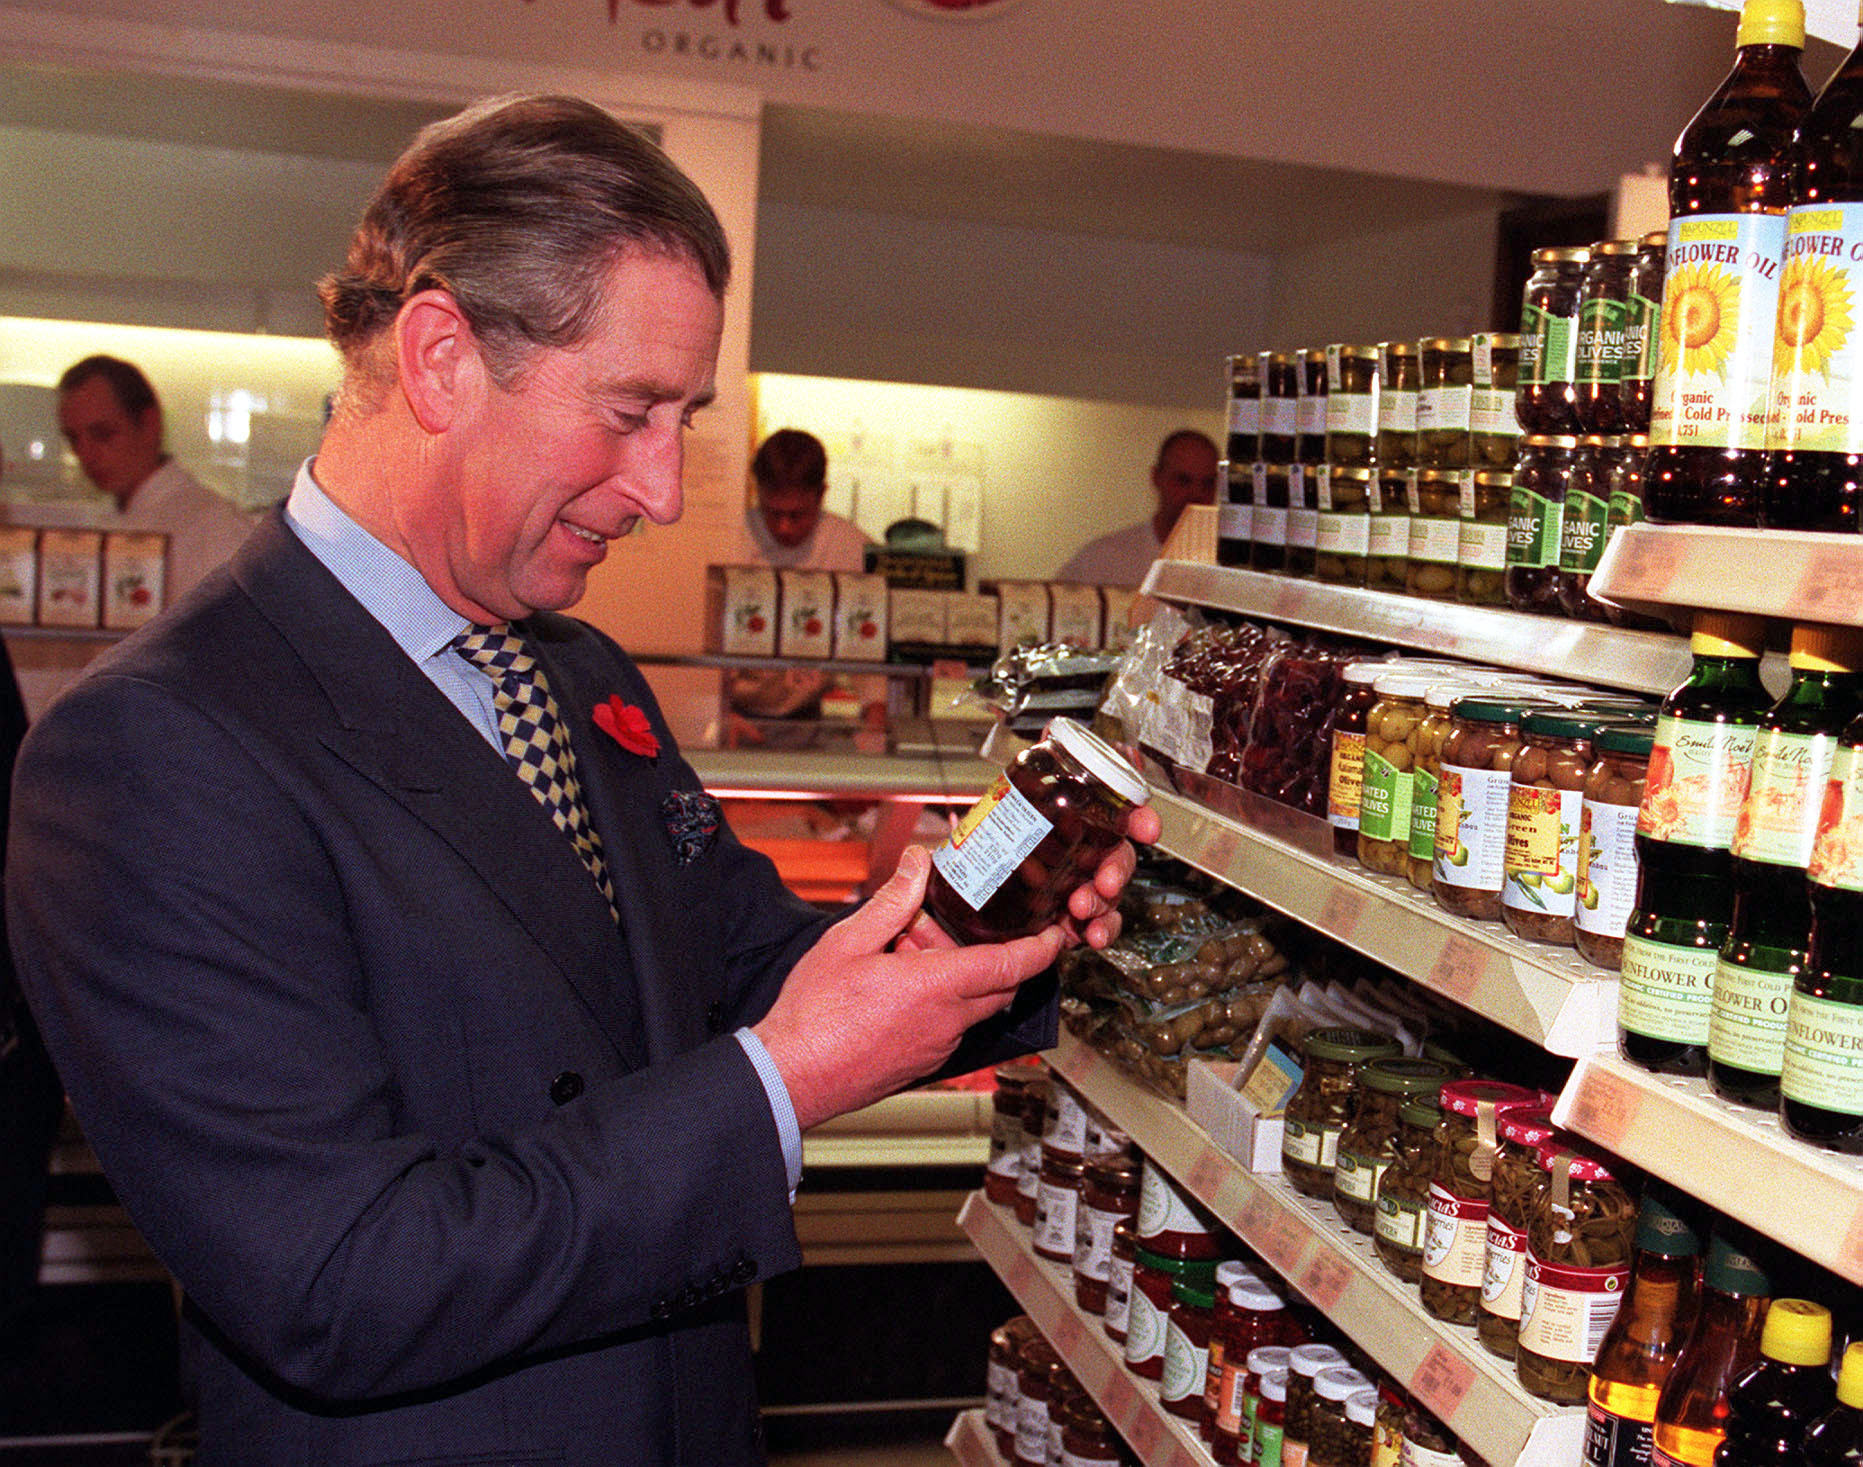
x: 450, y: 1168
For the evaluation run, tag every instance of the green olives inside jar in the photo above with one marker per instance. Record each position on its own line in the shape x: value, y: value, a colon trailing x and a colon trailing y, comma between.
x: 1389, y: 786
x: 1435, y: 533
x: 1368, y: 1146
x: 1426, y: 785
x: 1516, y: 1176
x: 1321, y: 1108
x: 1404, y: 1191
x: 1455, y: 1240
x: 1493, y: 427
x: 1481, y: 569
x: 1398, y: 380
x: 1535, y: 523
x: 1545, y: 801
x: 1351, y: 405
x: 1443, y: 401
x: 1387, y: 551
x: 1342, y: 540
x: 1580, y: 1234
x: 1472, y: 801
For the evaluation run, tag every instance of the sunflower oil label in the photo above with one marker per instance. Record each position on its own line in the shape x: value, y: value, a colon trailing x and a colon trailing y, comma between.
x: 1533, y: 527
x: 1837, y: 847
x: 1697, y: 783
x: 1779, y: 818
x: 1720, y: 301
x: 1817, y: 394
x: 1601, y: 340
x: 1824, y: 1055
x: 1583, y: 531
x: 1666, y: 991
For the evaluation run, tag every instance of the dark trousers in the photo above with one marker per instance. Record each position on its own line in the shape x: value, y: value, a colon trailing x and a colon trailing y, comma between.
x: 31, y: 1102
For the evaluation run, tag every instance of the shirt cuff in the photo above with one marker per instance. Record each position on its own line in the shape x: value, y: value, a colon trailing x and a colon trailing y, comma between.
x: 781, y: 1110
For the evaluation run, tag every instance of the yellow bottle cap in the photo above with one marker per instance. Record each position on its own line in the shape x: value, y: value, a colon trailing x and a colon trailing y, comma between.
x: 1826, y: 649
x: 1772, y: 23
x: 1726, y: 634
x: 1850, y: 1378
x: 1797, y: 1332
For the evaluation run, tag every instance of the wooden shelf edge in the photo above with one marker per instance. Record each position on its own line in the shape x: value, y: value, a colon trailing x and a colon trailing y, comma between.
x: 1678, y: 1129
x: 1789, y: 576
x: 1545, y: 994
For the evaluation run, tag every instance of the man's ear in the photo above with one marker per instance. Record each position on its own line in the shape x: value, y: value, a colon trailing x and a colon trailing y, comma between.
x: 437, y: 360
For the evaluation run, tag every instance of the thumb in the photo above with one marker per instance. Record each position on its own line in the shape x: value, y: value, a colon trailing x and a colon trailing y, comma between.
x: 891, y: 909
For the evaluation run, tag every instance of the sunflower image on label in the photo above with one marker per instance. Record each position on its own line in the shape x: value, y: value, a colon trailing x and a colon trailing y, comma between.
x: 1817, y: 395
x: 1720, y: 302
x: 990, y: 842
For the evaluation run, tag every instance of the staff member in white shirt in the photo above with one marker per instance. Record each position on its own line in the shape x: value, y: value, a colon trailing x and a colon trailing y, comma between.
x: 1185, y: 474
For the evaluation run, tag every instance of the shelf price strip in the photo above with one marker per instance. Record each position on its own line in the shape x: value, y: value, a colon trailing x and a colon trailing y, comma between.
x: 1831, y: 581
x: 1325, y: 1281
x: 1343, y: 910
x: 1442, y: 1381
x: 1459, y: 968
x: 1604, y: 1109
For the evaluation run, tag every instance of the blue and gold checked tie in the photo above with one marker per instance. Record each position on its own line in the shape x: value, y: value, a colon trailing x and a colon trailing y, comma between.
x: 534, y: 740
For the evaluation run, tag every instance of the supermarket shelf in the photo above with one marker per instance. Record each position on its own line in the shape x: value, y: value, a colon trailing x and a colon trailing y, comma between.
x: 957, y: 777
x: 1793, y: 577
x: 1546, y: 994
x: 1046, y: 1292
x: 1643, y: 662
x: 969, y: 1441
x: 1738, y: 1161
x: 1444, y: 1366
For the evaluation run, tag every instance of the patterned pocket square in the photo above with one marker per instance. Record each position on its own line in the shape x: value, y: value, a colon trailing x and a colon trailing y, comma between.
x: 692, y: 819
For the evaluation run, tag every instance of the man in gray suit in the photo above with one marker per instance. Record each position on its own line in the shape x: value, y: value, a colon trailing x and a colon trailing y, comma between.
x: 424, y: 1013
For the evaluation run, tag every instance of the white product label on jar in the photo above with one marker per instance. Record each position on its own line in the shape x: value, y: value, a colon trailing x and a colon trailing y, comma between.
x: 1312, y: 414
x: 1162, y: 1208
x: 1400, y: 1223
x: 1565, y: 1311
x: 1443, y: 409
x: 1005, y: 1142
x: 1455, y: 1238
x: 1245, y: 416
x: 1351, y: 412
x: 1065, y: 1130
x: 1118, y: 1295
x: 1506, y: 1273
x: 1235, y: 521
x: 1356, y: 1175
x: 1344, y: 534
x: 1471, y: 827
x: 1416, y: 1456
x: 1434, y: 541
x: 1491, y: 411
x: 1145, y: 1323
x: 1074, y: 1459
x: 1607, y: 868
x: 1540, y: 864
x: 1028, y: 1168
x: 1055, y: 1216
x: 1483, y: 546
x: 1303, y: 529
x: 1309, y: 1144
x: 1002, y: 1397
x: 990, y: 842
x: 1093, y: 1243
x: 1186, y: 1366
x: 1279, y: 416
x: 1178, y: 723
x: 1397, y: 411
x: 1032, y: 1430
x: 1270, y: 525
x: 1390, y: 536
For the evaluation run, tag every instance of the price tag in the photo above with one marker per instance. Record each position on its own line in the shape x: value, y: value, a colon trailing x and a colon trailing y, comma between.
x: 1221, y: 848
x: 1604, y: 1110
x: 1146, y: 1434
x: 1280, y: 1239
x: 1121, y: 1399
x: 1071, y: 1338
x: 1206, y: 1175
x: 1458, y: 968
x: 1650, y: 560
x: 1442, y: 1381
x: 1342, y: 911
x: 1325, y: 1280
x: 1830, y: 585
x: 1020, y: 1276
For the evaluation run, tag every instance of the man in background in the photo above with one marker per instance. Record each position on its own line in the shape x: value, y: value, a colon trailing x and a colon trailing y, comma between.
x: 1185, y: 474
x: 788, y: 525
x: 112, y: 419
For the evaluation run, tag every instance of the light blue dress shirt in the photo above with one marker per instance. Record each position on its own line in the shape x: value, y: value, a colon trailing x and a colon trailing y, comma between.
x: 423, y: 626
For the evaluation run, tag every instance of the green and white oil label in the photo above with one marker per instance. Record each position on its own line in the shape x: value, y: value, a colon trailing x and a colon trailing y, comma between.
x: 1779, y: 817
x: 1824, y: 1055
x: 1837, y: 849
x: 1667, y: 991
x: 1748, y: 1025
x: 1817, y: 384
x: 1720, y: 303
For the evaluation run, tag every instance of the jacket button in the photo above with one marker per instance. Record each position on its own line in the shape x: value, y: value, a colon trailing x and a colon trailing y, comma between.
x: 715, y: 1017
x: 661, y: 1310
x: 743, y: 1271
x: 566, y: 1087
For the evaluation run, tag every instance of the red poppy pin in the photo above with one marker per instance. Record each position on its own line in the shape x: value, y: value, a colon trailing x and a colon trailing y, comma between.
x: 628, y: 727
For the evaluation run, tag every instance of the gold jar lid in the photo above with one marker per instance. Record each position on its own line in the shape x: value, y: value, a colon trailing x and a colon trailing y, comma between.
x: 1571, y: 255
x: 1244, y: 361
x: 1616, y: 247
x: 1440, y: 476
x: 1501, y: 340
x: 1656, y: 239
x: 1550, y: 440
x: 1495, y: 478
x: 1445, y: 343
x: 1357, y: 353
x: 1281, y: 358
x: 1351, y: 471
x: 1398, y: 348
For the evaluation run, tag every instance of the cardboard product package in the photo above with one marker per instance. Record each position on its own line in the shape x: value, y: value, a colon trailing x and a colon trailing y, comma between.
x: 805, y: 625
x: 740, y: 610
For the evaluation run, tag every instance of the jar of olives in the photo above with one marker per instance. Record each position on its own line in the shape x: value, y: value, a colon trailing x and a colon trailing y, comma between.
x: 1304, y: 1364
x: 1493, y: 429
x: 1516, y: 1175
x: 1351, y: 405
x: 1322, y: 1106
x: 1545, y: 799
x: 1244, y: 440
x: 1387, y: 551
x: 1443, y: 401
x: 1332, y: 1441
x: 1343, y: 536
x: 1042, y: 829
x: 1269, y: 521
x: 1471, y: 802
x: 1235, y: 514
x: 1349, y: 1443
x: 1346, y: 776
x: 1607, y: 852
x: 1435, y: 533
x: 1642, y: 332
x: 1455, y: 1240
x: 1603, y: 311
x: 1584, y: 526
x: 1303, y: 518
x: 1541, y: 480
x: 1389, y: 786
x: 1426, y: 786
x: 1368, y: 1145
x: 1623, y: 482
x: 1580, y: 1234
x: 1404, y: 1191
x: 1428, y: 1443
x: 1119, y: 1280
x: 1310, y: 441
x: 1481, y: 556
x: 1280, y: 408
x: 1549, y: 341
x: 1398, y: 381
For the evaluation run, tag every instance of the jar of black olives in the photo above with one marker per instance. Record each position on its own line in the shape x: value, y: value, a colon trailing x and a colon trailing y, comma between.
x: 1269, y: 551
x: 1603, y: 310
x: 1280, y: 408
x: 1549, y: 341
x: 1642, y: 332
x: 1303, y: 518
x: 1584, y: 525
x: 1535, y: 521
x: 1244, y: 408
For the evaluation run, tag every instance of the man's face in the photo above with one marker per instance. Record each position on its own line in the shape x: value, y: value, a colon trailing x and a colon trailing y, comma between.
x: 790, y: 513
x: 585, y: 442
x: 1185, y: 475
x: 116, y: 451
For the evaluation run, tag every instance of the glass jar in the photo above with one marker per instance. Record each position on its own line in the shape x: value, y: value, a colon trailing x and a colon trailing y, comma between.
x: 1320, y: 1109
x: 1387, y: 550
x: 1241, y: 1402
x: 1493, y: 429
x: 1607, y: 852
x: 1351, y: 406
x: 1443, y: 402
x: 1435, y: 533
x: 1346, y: 774
x: 1580, y: 1235
x: 1472, y: 800
x: 1545, y: 801
x: 1280, y: 409
x: 1428, y: 1443
x: 1169, y: 1223
x: 1119, y: 1281
x: 1368, y: 1145
x: 1109, y: 1194
x: 1153, y: 1277
x: 1347, y: 1444
x: 1623, y: 480
x: 1603, y: 311
x: 1303, y: 518
x: 1516, y: 1175
x: 1404, y: 1191
x: 1455, y: 1241
x: 1304, y: 1364
x: 1064, y: 1393
x: 1399, y: 378
x: 1235, y: 514
x: 1387, y: 1429
x: 1343, y: 539
x: 1057, y: 1206
x: 1244, y: 376
x: 1327, y: 1435
x: 1391, y: 729
x: 1481, y: 556
x: 1064, y: 1126
x: 987, y: 883
x: 1268, y: 553
x: 1541, y: 480
x: 1034, y: 1391
x: 1584, y: 526
x: 1250, y: 1331
x: 1188, y: 1331
x: 1088, y: 1439
x: 1002, y: 1398
x: 1028, y: 1163
x: 1549, y: 341
x: 1310, y: 440
x: 1270, y: 1432
x: 1426, y: 785
x: 1006, y: 1102
x: 1643, y: 331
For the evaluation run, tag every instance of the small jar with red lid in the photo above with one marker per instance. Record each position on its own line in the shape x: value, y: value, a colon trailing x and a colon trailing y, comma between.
x: 1088, y: 1439
x: 1153, y: 1277
x: 1515, y: 1177
x: 1028, y: 1153
x: 1005, y: 1164
x: 1250, y: 1314
x: 1169, y: 1223
x: 1057, y: 1206
x: 1189, y: 1328
x: 1035, y: 1389
x: 1119, y: 1280
x: 1109, y: 1193
x: 1455, y: 1242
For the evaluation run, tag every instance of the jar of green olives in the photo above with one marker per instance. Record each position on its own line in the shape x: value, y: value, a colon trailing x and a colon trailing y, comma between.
x: 1368, y: 1146
x: 1387, y: 550
x: 1343, y: 539
x: 1398, y: 380
x: 1397, y: 1231
x: 1545, y: 800
x: 1351, y: 405
x: 1472, y: 801
x: 1607, y: 852
x: 1455, y: 1240
x: 1426, y: 787
x: 1435, y: 533
x: 1391, y: 730
x: 1481, y: 569
x: 1493, y: 427
x: 1443, y: 401
x: 1321, y: 1108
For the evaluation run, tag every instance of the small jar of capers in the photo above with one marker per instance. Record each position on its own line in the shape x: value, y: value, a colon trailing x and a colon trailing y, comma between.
x: 1368, y: 1146
x: 1322, y: 1107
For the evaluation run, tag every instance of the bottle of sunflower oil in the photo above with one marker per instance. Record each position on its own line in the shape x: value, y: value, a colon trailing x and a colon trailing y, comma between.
x: 1729, y: 189
x: 1815, y: 427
